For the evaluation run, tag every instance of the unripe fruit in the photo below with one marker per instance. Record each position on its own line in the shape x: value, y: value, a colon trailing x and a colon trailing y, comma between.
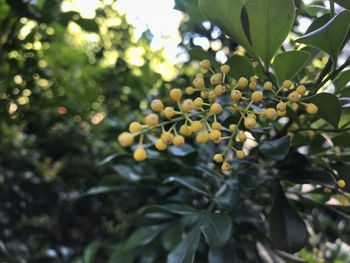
x: 287, y: 84
x: 301, y: 89
x: 202, y: 137
x: 257, y: 96
x: 240, y: 154
x: 205, y: 64
x: 253, y: 79
x: 327, y: 190
x: 175, y: 94
x: 232, y: 127
x: 294, y: 106
x: 152, y: 120
x: 214, y: 135
x: 249, y: 122
x: 344, y: 201
x: 281, y: 113
x: 167, y: 137
x: 196, y: 126
x: 157, y: 105
x: 187, y: 105
x: 185, y: 130
x: 135, y: 127
x: 216, y: 126
x: 219, y: 90
x: 200, y: 75
x: 140, y: 154
x: 311, y: 108
x: 236, y: 95
x: 215, y: 108
x: 198, y: 103
x: 215, y: 79
x: 225, y: 167
x: 179, y: 140
x: 203, y: 95
x: 125, y: 139
x: 252, y: 85
x: 189, y: 90
x: 243, y: 82
x: 281, y: 106
x: 218, y: 158
x: 268, y: 85
x: 311, y: 134
x: 270, y: 113
x: 160, y: 145
x: 294, y: 96
x: 225, y: 69
x: 169, y: 112
x: 198, y: 83
x: 212, y: 96
x: 241, y: 137
x: 341, y: 183
x: 252, y: 115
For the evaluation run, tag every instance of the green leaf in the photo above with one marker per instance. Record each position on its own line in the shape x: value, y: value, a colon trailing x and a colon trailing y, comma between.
x: 192, y: 183
x: 226, y: 254
x: 287, y: 229
x: 90, y: 252
x: 182, y: 151
x: 88, y: 25
x: 172, y: 236
x: 227, y: 197
x: 317, y: 177
x: 186, y: 249
x: 329, y: 37
x: 287, y: 64
x: 329, y: 107
x: 170, y: 208
x: 217, y: 229
x: 277, y: 149
x: 259, y: 26
x: 142, y: 237
x: 240, y: 67
x: 342, y: 140
x: 103, y: 190
x: 120, y: 256
x: 343, y: 3
x: 342, y: 81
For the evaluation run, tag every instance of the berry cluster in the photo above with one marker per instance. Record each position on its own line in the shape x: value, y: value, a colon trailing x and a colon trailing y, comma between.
x: 196, y: 112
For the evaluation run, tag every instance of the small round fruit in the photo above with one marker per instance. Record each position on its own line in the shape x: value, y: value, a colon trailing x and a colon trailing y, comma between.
x: 252, y: 85
x: 311, y: 134
x: 140, y: 154
x: 232, y: 127
x: 214, y: 135
x: 294, y: 106
x: 243, y: 82
x: 281, y: 106
x: 311, y: 108
x: 185, y: 130
x: 189, y: 90
x: 240, y: 154
x: 212, y: 96
x: 341, y: 183
x: 157, y: 105
x: 160, y: 145
x: 281, y: 113
x: 270, y: 113
x: 344, y: 201
x: 301, y: 89
x: 204, y: 94
x: 135, y: 127
x: 198, y: 103
x: 216, y: 126
x: 176, y: 94
x: 215, y: 108
x: 196, y: 126
x: 202, y: 137
x: 287, y: 84
x: 327, y: 190
x: 236, y: 95
x: 167, y: 137
x: 257, y: 96
x: 225, y: 69
x: 225, y: 167
x: 215, y: 79
x: 152, y: 120
x: 219, y: 90
x: 268, y: 85
x: 241, y: 136
x: 218, y: 158
x: 169, y: 112
x: 198, y: 83
x: 294, y: 96
x: 205, y: 64
x: 125, y: 139
x: 187, y: 105
x: 179, y: 140
x: 249, y: 123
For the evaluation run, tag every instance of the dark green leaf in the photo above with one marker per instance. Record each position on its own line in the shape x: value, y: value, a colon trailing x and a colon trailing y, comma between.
x: 343, y: 3
x: 88, y: 25
x: 342, y: 81
x: 90, y: 252
x: 142, y: 237
x: 307, y: 176
x: 343, y: 171
x: 172, y: 236
x: 120, y: 256
x: 170, y: 208
x: 287, y: 229
x: 277, y: 149
x: 225, y: 254
x: 182, y: 151
x: 103, y: 190
x: 192, y: 183
x: 240, y: 67
x: 227, y: 197
x: 217, y: 229
x: 342, y: 140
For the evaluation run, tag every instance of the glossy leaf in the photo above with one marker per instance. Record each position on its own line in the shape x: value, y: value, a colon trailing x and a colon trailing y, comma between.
x: 287, y: 229
x: 225, y: 254
x: 227, y: 197
x: 329, y: 107
x: 192, y: 183
x: 276, y: 149
x: 287, y: 64
x: 172, y: 236
x: 217, y: 229
x: 317, y: 177
x: 240, y: 67
x: 343, y: 3
x: 90, y: 252
x: 142, y: 236
x: 170, y: 208
x: 342, y: 81
x: 329, y: 37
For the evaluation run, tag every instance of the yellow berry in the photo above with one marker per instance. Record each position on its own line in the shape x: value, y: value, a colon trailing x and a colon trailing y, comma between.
x: 198, y: 83
x: 167, y: 137
x: 344, y: 201
x: 200, y: 75
x: 270, y: 113
x: 241, y: 137
x: 185, y: 130
x: 219, y: 90
x: 225, y: 69
x: 301, y: 89
x: 281, y: 106
x: 215, y: 79
x: 140, y: 154
x: 243, y: 82
x: 216, y: 126
x: 160, y: 145
x: 327, y: 190
x: 294, y: 96
x: 203, y: 95
x: 196, y: 126
x: 152, y: 120
x: 249, y: 122
x: 311, y: 108
x: 218, y: 158
x: 179, y: 140
x: 189, y: 90
x: 240, y: 154
x: 125, y: 139
x: 287, y: 84
x: 257, y: 96
x: 311, y: 134
x: 236, y: 95
x: 341, y: 183
x: 215, y: 108
x: 252, y: 85
x: 212, y: 95
x: 205, y: 64
x: 214, y: 135
x: 175, y: 94
x: 232, y: 127
x: 294, y: 106
x: 268, y: 85
x: 202, y: 137
x: 135, y: 127
x: 253, y: 79
x: 281, y: 113
x: 225, y: 167
x: 198, y: 103
x: 157, y: 105
x: 169, y: 112
x: 187, y: 105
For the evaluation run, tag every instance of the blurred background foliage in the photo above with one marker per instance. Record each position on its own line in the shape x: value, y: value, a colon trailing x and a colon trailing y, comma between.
x: 69, y: 193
